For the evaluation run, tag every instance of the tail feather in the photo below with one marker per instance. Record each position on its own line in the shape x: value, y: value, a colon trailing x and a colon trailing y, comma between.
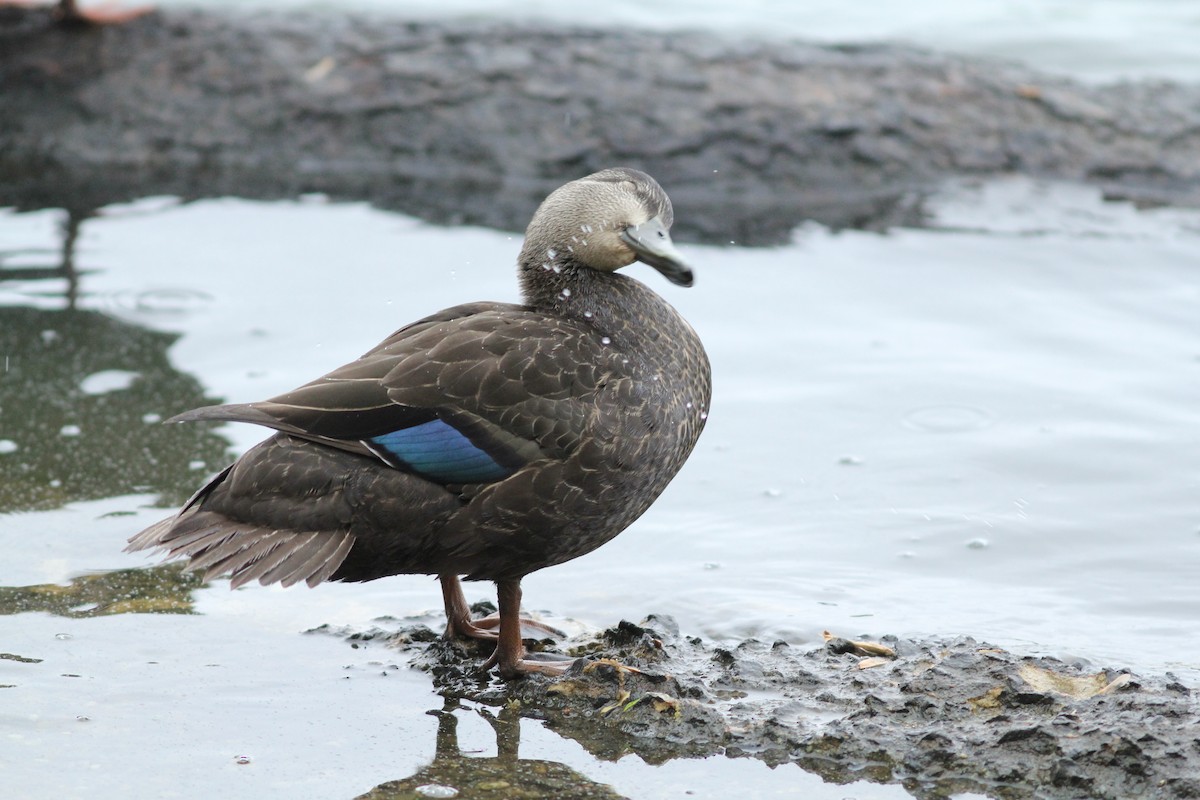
x: 276, y: 549
x: 331, y: 565
x: 151, y: 537
x: 318, y: 552
x: 215, y: 546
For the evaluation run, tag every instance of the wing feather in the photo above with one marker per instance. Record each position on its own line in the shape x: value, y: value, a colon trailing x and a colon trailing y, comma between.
x: 508, y: 381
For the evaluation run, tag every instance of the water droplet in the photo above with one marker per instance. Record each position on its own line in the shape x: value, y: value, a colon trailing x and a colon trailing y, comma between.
x: 606, y: 340
x: 70, y: 430
x: 151, y: 418
x: 436, y: 790
x: 197, y: 464
x: 587, y: 314
x: 55, y: 483
x: 241, y: 760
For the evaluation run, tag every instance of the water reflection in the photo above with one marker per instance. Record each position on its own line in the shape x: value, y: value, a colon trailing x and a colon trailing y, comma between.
x: 454, y: 774
x: 165, y: 589
x: 81, y: 396
x: 59, y: 265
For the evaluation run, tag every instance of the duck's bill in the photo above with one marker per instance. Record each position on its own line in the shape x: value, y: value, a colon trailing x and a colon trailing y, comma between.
x: 653, y: 246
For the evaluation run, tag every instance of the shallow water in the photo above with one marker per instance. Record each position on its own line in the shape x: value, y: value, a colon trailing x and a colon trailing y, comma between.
x: 988, y: 427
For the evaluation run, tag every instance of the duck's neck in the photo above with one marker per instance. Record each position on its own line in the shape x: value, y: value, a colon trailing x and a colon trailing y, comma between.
x: 561, y: 287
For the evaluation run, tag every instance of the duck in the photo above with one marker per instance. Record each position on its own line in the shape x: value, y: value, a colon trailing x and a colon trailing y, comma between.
x: 480, y: 443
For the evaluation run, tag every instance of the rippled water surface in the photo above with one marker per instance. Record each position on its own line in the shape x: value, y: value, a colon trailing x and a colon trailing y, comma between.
x: 990, y: 427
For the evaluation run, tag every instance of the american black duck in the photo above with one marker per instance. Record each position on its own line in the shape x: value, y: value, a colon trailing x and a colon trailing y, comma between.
x: 488, y: 440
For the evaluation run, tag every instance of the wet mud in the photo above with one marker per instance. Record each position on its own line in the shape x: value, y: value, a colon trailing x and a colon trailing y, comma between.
x: 939, y: 717
x: 462, y: 122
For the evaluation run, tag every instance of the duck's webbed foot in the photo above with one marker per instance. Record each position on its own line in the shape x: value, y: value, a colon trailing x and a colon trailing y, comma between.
x: 460, y: 623
x: 528, y: 664
x: 487, y: 627
x: 511, y: 658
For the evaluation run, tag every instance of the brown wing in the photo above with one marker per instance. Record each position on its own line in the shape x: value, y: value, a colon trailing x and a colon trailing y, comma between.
x: 466, y: 396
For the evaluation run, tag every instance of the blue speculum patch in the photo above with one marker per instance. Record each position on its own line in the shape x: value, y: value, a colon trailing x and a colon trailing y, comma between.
x: 439, y: 451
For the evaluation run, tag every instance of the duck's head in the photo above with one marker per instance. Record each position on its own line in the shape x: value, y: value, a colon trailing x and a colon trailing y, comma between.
x: 603, y: 222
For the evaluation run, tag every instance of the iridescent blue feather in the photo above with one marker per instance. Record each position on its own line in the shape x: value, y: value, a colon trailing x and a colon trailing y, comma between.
x: 438, y: 450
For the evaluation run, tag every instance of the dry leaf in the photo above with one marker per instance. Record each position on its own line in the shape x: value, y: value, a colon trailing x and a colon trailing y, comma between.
x: 874, y: 661
x: 1078, y: 687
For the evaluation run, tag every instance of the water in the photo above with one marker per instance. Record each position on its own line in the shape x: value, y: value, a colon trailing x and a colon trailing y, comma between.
x: 1096, y: 41
x: 988, y: 427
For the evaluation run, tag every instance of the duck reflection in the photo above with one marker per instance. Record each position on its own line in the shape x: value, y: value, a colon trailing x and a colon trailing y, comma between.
x: 453, y: 774
x: 59, y: 266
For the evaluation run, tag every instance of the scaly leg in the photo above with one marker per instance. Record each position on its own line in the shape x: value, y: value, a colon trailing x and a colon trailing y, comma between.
x: 459, y: 622
x: 458, y: 613
x: 510, y: 655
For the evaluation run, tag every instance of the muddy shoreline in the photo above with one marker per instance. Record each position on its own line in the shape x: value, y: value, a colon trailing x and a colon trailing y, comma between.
x: 941, y: 717
x: 461, y: 122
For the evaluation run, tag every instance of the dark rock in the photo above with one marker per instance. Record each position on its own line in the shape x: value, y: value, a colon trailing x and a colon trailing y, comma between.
x: 462, y: 122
